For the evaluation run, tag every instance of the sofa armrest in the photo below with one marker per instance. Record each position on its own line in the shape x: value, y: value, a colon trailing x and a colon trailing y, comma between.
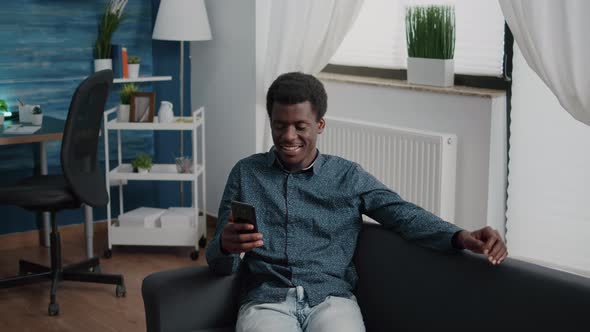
x: 189, y: 299
x: 404, y: 286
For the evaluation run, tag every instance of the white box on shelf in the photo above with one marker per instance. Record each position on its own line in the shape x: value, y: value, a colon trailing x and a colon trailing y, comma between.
x: 141, y: 217
x: 177, y: 217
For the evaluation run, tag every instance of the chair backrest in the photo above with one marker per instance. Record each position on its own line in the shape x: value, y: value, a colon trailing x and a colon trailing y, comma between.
x: 79, y: 146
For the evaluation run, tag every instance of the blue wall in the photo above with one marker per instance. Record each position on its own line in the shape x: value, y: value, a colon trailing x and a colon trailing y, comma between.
x: 46, y: 49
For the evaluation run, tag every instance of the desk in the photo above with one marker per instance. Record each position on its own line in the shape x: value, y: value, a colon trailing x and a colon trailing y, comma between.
x: 51, y: 130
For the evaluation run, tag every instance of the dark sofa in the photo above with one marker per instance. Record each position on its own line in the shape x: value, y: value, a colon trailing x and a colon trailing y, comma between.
x: 402, y: 287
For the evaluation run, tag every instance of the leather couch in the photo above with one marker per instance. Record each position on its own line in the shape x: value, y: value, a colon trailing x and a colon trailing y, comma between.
x: 402, y: 287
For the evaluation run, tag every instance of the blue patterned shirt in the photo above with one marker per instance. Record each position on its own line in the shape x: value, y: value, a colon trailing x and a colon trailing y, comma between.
x: 310, y: 221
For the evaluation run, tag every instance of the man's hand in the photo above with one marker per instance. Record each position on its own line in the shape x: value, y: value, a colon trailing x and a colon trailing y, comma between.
x: 235, y: 241
x: 485, y: 241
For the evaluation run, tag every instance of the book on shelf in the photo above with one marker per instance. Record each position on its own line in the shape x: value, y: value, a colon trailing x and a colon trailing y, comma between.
x: 124, y: 62
x: 116, y: 55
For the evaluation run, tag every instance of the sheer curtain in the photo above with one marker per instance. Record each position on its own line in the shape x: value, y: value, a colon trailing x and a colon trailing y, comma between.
x: 296, y: 35
x: 548, y: 207
x: 555, y: 41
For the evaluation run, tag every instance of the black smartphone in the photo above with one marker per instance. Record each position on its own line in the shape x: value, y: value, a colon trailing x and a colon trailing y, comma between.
x: 244, y: 213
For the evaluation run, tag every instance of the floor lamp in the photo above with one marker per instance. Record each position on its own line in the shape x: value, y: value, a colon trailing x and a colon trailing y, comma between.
x: 182, y: 20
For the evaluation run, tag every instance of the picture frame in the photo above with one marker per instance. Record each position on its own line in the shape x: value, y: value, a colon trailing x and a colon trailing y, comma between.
x: 142, y: 107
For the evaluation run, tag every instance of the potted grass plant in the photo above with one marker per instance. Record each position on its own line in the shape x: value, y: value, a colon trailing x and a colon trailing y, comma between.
x: 107, y: 25
x: 127, y: 90
x: 430, y: 36
x: 3, y: 109
x: 134, y: 62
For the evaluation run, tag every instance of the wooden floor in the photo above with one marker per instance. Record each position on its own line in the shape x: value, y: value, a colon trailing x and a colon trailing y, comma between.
x: 86, y: 307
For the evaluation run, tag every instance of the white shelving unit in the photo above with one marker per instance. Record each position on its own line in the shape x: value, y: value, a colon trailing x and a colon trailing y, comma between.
x: 142, y: 79
x: 134, y: 235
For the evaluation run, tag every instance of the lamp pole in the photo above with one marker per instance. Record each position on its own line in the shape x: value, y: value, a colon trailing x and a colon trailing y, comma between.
x: 182, y: 115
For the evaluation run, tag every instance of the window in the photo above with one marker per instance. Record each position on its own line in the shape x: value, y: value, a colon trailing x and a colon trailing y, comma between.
x: 377, y: 38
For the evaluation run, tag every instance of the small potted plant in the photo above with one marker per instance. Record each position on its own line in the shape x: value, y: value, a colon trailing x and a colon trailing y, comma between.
x: 37, y: 119
x: 3, y: 108
x: 134, y: 62
x: 107, y: 25
x: 430, y: 36
x: 142, y: 163
x: 126, y: 92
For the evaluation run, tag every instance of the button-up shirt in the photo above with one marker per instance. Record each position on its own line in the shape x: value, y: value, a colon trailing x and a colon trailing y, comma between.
x: 310, y: 221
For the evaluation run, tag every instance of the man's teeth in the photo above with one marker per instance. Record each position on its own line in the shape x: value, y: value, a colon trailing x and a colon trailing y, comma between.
x: 290, y: 148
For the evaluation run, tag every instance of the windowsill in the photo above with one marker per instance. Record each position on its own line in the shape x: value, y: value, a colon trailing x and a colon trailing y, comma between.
x: 454, y: 90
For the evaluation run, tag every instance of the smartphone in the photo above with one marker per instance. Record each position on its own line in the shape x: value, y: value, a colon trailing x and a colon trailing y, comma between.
x: 244, y: 213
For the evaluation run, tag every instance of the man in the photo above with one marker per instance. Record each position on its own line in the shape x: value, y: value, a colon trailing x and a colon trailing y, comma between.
x: 298, y: 271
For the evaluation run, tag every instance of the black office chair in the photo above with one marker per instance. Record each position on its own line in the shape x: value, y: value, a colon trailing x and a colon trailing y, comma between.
x: 82, y: 182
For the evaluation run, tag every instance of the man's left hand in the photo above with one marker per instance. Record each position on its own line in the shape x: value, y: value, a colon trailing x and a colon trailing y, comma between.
x: 485, y: 241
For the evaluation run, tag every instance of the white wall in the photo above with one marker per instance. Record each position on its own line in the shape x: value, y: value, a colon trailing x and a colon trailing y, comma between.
x: 222, y: 79
x: 470, y: 118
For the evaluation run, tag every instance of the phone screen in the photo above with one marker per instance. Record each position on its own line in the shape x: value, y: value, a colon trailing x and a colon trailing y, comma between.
x: 244, y: 213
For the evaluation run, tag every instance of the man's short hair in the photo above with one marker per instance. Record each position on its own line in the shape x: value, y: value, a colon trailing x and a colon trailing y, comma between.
x: 294, y: 88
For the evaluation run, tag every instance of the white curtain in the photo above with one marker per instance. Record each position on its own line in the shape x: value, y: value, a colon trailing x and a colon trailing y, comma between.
x: 554, y: 38
x: 296, y: 35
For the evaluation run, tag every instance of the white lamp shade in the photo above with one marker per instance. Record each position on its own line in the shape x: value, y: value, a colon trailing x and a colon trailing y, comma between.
x: 183, y: 20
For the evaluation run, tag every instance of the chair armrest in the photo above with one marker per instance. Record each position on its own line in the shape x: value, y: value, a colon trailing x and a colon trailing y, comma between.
x: 189, y: 299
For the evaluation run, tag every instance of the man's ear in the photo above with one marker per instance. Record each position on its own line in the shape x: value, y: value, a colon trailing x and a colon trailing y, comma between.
x: 321, y: 125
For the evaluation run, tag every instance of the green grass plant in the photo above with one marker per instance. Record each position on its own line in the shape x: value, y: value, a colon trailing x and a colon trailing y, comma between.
x: 126, y: 92
x: 430, y: 31
x: 106, y: 28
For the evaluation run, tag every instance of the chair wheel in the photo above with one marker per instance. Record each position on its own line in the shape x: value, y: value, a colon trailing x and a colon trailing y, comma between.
x: 203, y: 242
x: 53, y: 309
x: 120, y: 291
x: 194, y: 255
x: 108, y: 253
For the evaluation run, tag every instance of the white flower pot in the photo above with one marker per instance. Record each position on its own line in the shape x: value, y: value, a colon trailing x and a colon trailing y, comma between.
x: 133, y: 70
x: 101, y: 64
x: 123, y: 113
x: 143, y: 170
x: 37, y: 119
x: 436, y: 72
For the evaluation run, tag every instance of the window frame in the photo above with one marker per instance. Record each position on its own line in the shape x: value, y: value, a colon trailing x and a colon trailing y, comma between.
x: 503, y: 83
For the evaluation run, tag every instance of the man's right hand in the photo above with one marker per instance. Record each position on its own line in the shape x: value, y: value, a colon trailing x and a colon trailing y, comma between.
x: 234, y: 240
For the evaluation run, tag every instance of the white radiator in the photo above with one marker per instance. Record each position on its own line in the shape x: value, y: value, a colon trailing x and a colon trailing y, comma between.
x: 418, y: 165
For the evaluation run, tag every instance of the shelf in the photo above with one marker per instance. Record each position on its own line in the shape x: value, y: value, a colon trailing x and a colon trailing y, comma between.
x: 143, y: 79
x: 159, y: 172
x: 186, y: 124
x: 153, y: 236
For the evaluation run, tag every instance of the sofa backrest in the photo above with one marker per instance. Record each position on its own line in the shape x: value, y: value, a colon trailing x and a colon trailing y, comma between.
x: 403, y: 287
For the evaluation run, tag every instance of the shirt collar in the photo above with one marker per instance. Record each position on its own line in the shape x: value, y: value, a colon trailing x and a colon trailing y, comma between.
x: 315, y: 166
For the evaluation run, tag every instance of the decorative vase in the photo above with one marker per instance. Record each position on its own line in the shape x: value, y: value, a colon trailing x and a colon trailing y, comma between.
x: 123, y: 113
x: 101, y: 64
x: 37, y: 119
x: 133, y: 70
x: 165, y: 113
x: 435, y: 72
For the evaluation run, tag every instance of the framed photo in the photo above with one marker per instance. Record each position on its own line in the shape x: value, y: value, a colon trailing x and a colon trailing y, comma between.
x: 142, y: 107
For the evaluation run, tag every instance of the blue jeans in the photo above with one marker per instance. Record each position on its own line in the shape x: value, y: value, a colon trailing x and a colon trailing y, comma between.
x: 294, y: 314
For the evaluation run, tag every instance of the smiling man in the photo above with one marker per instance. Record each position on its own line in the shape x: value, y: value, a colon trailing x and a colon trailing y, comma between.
x: 298, y: 269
